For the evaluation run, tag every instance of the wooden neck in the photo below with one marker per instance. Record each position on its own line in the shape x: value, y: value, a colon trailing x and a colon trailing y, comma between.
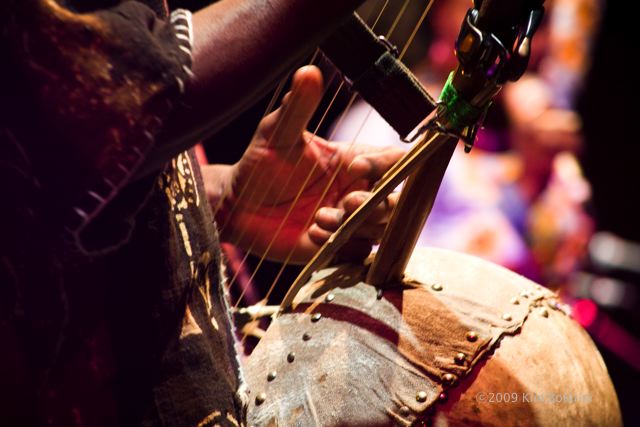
x: 409, y: 218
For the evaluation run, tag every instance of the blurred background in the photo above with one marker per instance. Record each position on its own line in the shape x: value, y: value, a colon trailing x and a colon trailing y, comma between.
x: 550, y: 189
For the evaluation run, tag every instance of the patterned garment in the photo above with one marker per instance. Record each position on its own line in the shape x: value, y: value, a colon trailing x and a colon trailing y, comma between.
x: 111, y: 305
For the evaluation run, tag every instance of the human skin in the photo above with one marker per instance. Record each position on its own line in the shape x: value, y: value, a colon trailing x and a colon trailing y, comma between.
x: 264, y: 208
x: 241, y: 48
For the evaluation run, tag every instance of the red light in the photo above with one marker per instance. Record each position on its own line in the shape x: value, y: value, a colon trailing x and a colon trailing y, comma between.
x: 585, y: 312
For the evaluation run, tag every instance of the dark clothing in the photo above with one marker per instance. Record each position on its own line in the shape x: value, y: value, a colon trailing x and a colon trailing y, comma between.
x: 112, y: 309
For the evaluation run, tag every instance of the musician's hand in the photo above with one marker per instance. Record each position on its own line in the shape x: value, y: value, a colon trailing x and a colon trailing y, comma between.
x: 271, y: 213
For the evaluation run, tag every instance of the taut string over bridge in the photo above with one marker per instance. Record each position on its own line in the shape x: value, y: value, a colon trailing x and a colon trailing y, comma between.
x: 493, y: 47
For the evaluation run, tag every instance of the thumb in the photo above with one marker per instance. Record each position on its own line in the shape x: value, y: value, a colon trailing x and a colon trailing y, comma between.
x: 289, y: 121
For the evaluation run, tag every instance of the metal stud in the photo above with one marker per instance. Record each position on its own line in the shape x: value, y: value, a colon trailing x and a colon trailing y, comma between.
x: 421, y: 396
x: 379, y: 294
x: 330, y: 297
x: 316, y: 317
x: 507, y: 317
x: 544, y: 312
x: 472, y: 336
x: 291, y: 357
x: 442, y: 397
x: 436, y: 287
x: 460, y: 358
x: 449, y: 378
x: 272, y: 375
x: 260, y: 398
x: 306, y: 336
x: 515, y: 301
x: 405, y: 411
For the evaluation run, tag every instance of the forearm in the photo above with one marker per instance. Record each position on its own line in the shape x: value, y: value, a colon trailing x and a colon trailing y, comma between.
x: 240, y: 48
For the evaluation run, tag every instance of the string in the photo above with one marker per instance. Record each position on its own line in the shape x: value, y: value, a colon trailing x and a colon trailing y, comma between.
x: 317, y: 206
x: 301, y: 191
x: 292, y: 207
x: 338, y: 169
x: 428, y: 144
x: 272, y: 208
x: 272, y: 102
x: 384, y: 6
x: 288, y: 213
x: 283, y: 222
x: 415, y: 29
x: 271, y: 184
x: 270, y: 107
x: 395, y: 23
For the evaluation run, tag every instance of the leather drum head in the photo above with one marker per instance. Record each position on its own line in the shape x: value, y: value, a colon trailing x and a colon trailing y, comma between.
x: 461, y: 341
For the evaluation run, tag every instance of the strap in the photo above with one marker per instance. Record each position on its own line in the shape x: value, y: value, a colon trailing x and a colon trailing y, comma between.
x: 369, y: 62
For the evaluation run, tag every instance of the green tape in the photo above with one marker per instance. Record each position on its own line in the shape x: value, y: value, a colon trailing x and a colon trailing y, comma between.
x: 459, y: 112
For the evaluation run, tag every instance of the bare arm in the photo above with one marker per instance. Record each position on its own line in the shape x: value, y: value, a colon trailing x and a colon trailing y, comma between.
x: 240, y: 48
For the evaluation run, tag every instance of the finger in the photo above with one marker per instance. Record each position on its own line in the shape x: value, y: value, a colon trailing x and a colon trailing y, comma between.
x: 329, y: 218
x: 352, y: 201
x: 292, y: 118
x: 318, y: 235
x: 372, y: 164
x: 267, y: 125
x: 357, y: 248
x: 380, y: 213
